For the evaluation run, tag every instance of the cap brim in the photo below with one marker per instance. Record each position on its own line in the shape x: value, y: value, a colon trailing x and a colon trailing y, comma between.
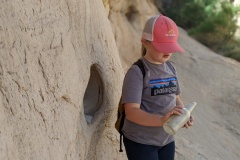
x: 168, y: 47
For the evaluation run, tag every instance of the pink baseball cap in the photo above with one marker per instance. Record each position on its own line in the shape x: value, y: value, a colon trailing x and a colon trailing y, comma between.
x: 163, y: 33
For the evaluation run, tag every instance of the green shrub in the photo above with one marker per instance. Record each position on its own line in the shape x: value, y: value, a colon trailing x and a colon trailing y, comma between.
x: 233, y: 50
x: 218, y: 28
x: 213, y: 23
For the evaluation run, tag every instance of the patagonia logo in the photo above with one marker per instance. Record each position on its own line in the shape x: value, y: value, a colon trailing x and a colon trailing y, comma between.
x: 163, y: 86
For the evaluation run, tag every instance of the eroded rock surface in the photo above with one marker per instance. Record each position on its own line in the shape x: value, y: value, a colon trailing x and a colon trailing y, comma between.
x: 59, y: 68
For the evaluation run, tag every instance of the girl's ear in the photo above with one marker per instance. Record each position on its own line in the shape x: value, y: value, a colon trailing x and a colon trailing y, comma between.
x: 145, y: 42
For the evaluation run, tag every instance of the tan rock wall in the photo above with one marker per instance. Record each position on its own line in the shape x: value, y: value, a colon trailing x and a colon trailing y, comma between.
x: 128, y: 19
x: 58, y: 62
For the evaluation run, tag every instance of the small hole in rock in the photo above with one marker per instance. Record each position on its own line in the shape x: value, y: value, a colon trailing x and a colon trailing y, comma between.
x: 93, y: 96
x: 131, y: 13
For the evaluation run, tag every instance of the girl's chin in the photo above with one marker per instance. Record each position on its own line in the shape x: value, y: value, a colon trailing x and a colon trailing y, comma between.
x: 159, y: 60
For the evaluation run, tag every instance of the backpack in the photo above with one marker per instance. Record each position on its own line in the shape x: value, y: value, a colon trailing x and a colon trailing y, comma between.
x: 121, y: 112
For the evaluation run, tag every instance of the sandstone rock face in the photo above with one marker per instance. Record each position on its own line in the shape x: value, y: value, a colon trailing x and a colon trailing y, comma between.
x: 128, y: 18
x: 60, y: 81
x: 207, y: 78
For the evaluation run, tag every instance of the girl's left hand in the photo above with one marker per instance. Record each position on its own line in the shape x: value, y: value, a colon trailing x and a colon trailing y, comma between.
x: 190, y: 122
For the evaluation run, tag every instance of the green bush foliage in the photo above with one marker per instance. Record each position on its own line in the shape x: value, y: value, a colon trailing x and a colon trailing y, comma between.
x: 213, y: 23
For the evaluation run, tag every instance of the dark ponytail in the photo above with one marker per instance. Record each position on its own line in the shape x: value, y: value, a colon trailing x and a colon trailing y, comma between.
x: 144, y: 51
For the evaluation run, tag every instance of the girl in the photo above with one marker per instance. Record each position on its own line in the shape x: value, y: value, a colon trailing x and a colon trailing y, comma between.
x: 150, y: 100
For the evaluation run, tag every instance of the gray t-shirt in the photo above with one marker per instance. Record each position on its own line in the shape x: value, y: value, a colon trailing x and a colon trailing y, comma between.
x: 156, y: 94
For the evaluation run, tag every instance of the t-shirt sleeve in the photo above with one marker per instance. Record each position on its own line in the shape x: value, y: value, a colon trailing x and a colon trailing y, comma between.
x: 132, y: 86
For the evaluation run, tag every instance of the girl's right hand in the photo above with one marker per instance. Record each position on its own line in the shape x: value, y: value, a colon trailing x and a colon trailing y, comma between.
x: 178, y: 110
